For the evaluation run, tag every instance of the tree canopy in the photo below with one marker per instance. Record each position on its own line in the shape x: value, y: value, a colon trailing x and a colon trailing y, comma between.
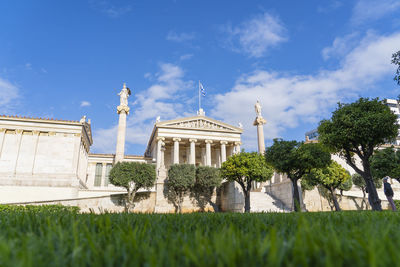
x: 386, y: 162
x: 244, y: 168
x: 332, y: 177
x: 181, y: 178
x: 396, y: 61
x: 295, y: 159
x: 207, y: 179
x: 133, y: 176
x: 357, y: 129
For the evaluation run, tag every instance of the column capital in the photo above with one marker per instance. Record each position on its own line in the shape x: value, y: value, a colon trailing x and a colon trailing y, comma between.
x: 259, y: 121
x: 35, y: 132
x: 122, y: 108
x: 192, y: 140
x: 2, y: 130
x: 208, y: 141
x: 160, y: 138
x: 176, y: 139
x: 19, y: 131
x: 238, y: 143
x: 224, y: 142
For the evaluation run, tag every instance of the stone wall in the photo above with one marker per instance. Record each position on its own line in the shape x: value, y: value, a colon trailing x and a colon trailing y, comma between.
x: 282, y: 191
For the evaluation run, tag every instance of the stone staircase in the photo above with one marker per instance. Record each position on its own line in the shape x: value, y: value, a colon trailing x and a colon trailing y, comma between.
x: 261, y: 201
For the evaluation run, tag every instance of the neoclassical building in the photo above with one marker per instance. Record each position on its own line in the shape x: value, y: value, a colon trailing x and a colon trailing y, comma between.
x: 46, y: 159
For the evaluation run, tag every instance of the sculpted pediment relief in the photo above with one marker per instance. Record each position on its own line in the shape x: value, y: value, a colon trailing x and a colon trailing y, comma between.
x: 200, y: 124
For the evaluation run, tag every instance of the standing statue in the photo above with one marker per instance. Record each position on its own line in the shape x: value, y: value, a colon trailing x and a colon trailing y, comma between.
x: 257, y: 107
x: 125, y: 92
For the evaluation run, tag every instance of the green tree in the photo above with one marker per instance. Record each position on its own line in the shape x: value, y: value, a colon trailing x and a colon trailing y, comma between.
x: 207, y: 180
x: 386, y: 162
x: 357, y: 129
x: 181, y: 179
x: 133, y: 176
x: 331, y: 177
x: 244, y: 168
x: 396, y: 61
x: 295, y: 159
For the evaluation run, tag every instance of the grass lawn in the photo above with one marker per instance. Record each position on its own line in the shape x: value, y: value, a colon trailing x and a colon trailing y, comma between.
x: 61, y: 237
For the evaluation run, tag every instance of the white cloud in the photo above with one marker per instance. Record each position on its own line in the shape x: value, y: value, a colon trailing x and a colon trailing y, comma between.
x: 370, y: 10
x: 85, y: 104
x: 180, y: 37
x: 165, y: 98
x: 290, y: 100
x: 8, y: 94
x: 185, y: 57
x: 110, y: 9
x: 28, y: 66
x: 257, y: 35
x: 341, y: 46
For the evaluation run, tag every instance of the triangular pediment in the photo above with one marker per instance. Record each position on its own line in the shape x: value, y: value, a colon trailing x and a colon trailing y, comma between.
x: 201, y: 123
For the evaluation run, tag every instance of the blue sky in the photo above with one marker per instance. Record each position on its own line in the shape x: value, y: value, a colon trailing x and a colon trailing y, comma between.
x: 66, y: 59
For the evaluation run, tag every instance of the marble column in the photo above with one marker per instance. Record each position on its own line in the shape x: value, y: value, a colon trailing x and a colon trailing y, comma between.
x: 176, y: 150
x: 192, y: 157
x: 2, y: 135
x: 223, y: 151
x: 259, y: 122
x: 237, y: 147
x: 123, y: 111
x: 208, y: 152
x: 160, y: 144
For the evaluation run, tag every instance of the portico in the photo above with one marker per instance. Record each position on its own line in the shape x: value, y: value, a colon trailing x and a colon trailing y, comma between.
x: 198, y: 140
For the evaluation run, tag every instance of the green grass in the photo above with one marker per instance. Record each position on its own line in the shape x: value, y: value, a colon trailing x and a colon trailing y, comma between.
x: 62, y: 237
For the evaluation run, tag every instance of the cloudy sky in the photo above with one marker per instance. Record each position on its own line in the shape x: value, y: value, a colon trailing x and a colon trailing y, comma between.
x: 66, y: 59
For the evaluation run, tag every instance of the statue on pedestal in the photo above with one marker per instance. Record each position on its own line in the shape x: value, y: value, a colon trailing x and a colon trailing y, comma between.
x: 258, y: 107
x: 125, y: 92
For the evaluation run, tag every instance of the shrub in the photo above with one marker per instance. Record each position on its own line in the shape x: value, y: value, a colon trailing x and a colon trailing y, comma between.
x: 181, y: 178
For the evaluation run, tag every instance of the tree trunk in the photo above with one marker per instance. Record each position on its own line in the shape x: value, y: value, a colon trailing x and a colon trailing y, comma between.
x: 130, y: 205
x: 246, y: 200
x: 334, y: 198
x: 373, y: 197
x: 364, y: 198
x: 296, y: 196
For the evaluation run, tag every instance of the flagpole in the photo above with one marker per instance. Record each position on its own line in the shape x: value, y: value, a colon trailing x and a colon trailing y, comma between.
x: 199, y: 97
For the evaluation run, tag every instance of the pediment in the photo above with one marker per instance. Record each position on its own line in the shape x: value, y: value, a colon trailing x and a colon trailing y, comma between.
x: 201, y: 123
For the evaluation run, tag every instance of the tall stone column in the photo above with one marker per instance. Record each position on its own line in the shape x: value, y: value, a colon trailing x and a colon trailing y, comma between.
x: 259, y: 122
x: 192, y: 157
x: 208, y: 152
x: 176, y: 150
x: 160, y: 144
x: 123, y: 111
x: 223, y: 151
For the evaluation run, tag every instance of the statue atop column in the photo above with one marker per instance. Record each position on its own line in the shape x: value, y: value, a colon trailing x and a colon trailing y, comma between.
x: 259, y: 122
x: 124, y: 94
x: 258, y: 107
x: 123, y: 99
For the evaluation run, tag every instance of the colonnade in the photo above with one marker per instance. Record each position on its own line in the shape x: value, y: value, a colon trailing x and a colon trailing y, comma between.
x: 192, y: 144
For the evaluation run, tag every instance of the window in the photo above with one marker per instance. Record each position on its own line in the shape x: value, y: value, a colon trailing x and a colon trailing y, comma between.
x: 106, y: 178
x: 97, y: 177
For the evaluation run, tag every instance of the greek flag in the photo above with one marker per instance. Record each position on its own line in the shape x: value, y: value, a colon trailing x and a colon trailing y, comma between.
x: 202, y: 90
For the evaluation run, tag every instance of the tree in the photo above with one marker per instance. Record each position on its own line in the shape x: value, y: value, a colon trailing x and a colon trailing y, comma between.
x: 331, y: 177
x: 181, y: 178
x: 357, y: 129
x: 244, y: 168
x: 396, y: 61
x: 386, y: 162
x: 133, y: 176
x: 207, y: 179
x: 359, y: 181
x: 295, y: 159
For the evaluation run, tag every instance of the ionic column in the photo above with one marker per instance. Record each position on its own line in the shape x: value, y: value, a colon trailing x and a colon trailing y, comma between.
x: 176, y: 150
x: 237, y: 147
x: 208, y: 152
x: 123, y: 111
x: 192, y: 157
x: 19, y: 139
x: 159, y: 151
x: 223, y: 151
x: 2, y: 134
